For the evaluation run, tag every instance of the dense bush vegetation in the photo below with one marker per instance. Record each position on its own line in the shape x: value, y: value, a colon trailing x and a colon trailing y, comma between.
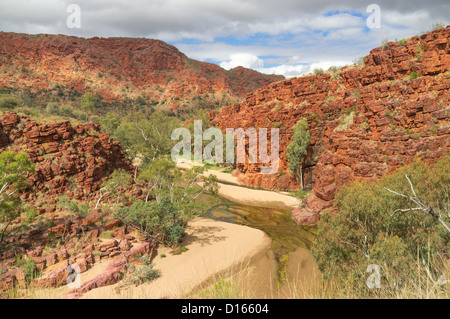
x: 9, y: 102
x: 159, y: 220
x: 13, y: 170
x: 173, y: 203
x: 146, y: 135
x: 364, y: 230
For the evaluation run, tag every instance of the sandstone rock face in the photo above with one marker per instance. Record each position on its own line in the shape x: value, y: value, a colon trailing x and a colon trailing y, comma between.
x: 364, y: 122
x: 142, y: 65
x: 67, y: 158
x: 116, y: 270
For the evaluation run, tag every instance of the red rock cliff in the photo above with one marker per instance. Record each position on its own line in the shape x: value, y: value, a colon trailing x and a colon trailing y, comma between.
x: 365, y: 122
x: 114, y: 67
x: 68, y: 159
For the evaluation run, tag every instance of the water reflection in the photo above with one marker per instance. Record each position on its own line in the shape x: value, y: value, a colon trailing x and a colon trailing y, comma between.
x: 277, y: 223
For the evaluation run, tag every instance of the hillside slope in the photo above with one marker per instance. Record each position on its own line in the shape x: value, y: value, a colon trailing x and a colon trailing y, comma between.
x: 118, y: 68
x: 365, y: 121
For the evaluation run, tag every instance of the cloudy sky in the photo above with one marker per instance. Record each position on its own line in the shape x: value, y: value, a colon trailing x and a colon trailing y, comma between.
x: 286, y: 37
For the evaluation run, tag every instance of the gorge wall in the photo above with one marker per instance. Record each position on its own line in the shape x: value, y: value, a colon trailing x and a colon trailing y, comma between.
x: 365, y: 120
x: 117, y: 68
x: 69, y: 160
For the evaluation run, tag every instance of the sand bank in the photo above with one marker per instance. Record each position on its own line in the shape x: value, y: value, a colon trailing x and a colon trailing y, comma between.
x: 214, y: 248
x: 230, y: 188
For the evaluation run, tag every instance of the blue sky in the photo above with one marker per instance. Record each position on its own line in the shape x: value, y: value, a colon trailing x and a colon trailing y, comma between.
x: 286, y: 37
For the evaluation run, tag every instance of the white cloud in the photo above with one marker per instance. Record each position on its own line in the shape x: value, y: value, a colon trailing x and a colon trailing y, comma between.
x: 325, y: 65
x: 297, y: 35
x: 292, y: 67
x: 337, y: 21
x: 289, y: 71
x: 246, y: 60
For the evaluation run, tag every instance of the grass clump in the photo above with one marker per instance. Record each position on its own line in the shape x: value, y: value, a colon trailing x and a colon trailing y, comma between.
x: 140, y: 275
x: 413, y: 76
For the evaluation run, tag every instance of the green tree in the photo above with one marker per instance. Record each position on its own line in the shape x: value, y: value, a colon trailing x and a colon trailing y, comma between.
x: 159, y: 175
x: 89, y: 102
x: 13, y: 172
x: 110, y: 122
x: 370, y: 225
x: 52, y: 108
x: 176, y: 200
x: 9, y: 102
x: 296, y: 150
x: 159, y: 221
x: 164, y: 179
x: 114, y: 184
x: 80, y: 211
x: 147, y: 136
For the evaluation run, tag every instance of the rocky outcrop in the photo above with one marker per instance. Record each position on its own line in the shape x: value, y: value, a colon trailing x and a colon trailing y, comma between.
x: 114, y: 67
x: 80, y: 255
x: 68, y: 159
x: 365, y: 121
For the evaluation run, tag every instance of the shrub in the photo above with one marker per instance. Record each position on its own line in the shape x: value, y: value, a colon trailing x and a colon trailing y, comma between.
x: 334, y: 72
x: 318, y: 71
x: 385, y: 43
x: 143, y: 274
x: 359, y: 61
x: 350, y: 110
x: 29, y: 268
x: 438, y: 26
x: 9, y: 102
x: 79, y: 115
x: 419, y: 49
x: 107, y: 234
x: 66, y: 110
x: 413, y: 76
x: 157, y: 220
x: 52, y: 108
x: 364, y: 230
x: 26, y: 110
x: 401, y: 43
x: 95, y: 119
x: 276, y: 125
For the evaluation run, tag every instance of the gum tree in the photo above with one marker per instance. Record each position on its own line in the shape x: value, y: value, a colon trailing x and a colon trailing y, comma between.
x: 13, y: 171
x: 296, y: 150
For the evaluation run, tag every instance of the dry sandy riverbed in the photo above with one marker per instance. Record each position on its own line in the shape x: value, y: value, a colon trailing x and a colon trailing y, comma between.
x: 230, y: 189
x: 214, y: 249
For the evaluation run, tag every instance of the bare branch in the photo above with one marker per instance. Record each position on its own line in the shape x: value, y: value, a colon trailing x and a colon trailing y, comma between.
x: 405, y: 210
x: 142, y: 132
x: 424, y: 208
x: 410, y: 184
x: 101, y: 196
